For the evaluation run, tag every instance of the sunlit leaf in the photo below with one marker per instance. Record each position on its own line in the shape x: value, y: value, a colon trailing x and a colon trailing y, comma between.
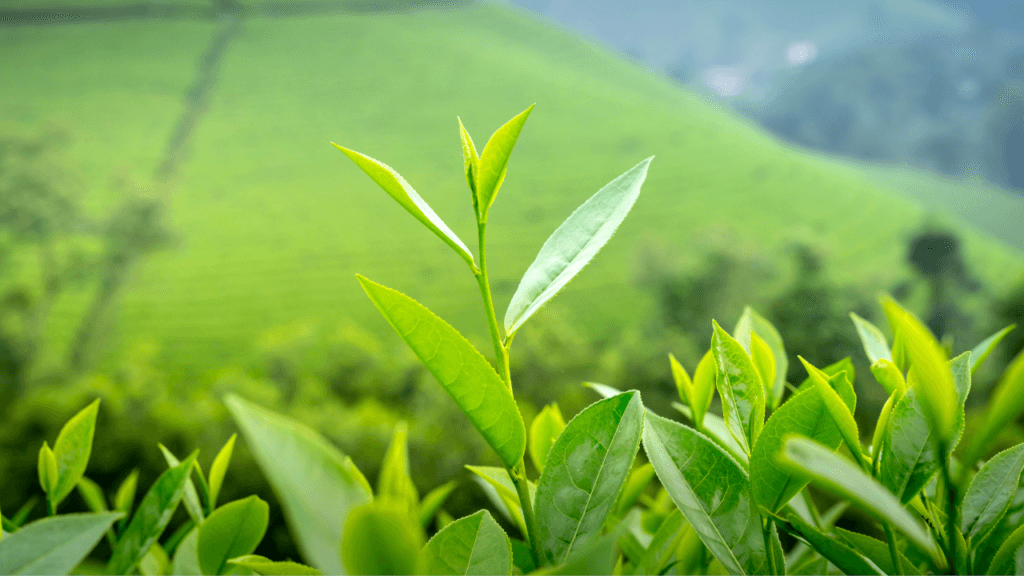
x: 471, y: 163
x: 219, y: 468
x: 47, y: 469
x: 714, y: 427
x: 433, y: 500
x: 233, y: 530
x: 839, y: 411
x: 54, y: 545
x: 393, y: 481
x: 739, y: 386
x: 72, y: 449
x: 1005, y: 403
x: 637, y: 481
x: 990, y: 492
x: 703, y: 388
x: 875, y: 345
x: 986, y: 346
x: 889, y: 376
x: 543, y: 432
x: 684, y: 386
x: 381, y: 538
x: 191, y: 499
x: 752, y: 321
x: 475, y: 544
x: 267, y: 567
x: 493, y: 162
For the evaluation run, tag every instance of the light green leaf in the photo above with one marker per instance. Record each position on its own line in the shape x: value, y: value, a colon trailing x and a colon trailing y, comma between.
x: 986, y: 346
x: 315, y: 483
x: 47, y: 468
x: 92, y: 494
x: 392, y: 182
x: 843, y: 385
x: 764, y: 361
x: 574, y: 244
x: 889, y: 376
x: 460, y: 369
x: 499, y: 487
x: 433, y: 500
x: 599, y: 558
x: 475, y: 544
x: 471, y: 161
x: 381, y: 538
x: 752, y: 321
x: 234, y: 529
x: 839, y: 411
x: 714, y: 427
x: 151, y: 517
x: 543, y: 431
x: 584, y: 475
x: 124, y: 498
x: 875, y: 345
x: 838, y: 553
x: 637, y: 481
x: 739, y: 386
x: 72, y: 450
x: 684, y: 386
x: 1005, y: 404
x: 834, y: 473
x: 219, y: 468
x: 394, y: 481
x: 155, y: 562
x: 192, y: 504
x: 712, y: 492
x: 990, y: 493
x: 704, y: 388
x: 54, y: 545
x: 494, y: 161
x: 186, y: 557
x: 882, y: 425
x: 267, y: 567
x: 877, y: 552
x: 663, y: 544
x: 805, y: 413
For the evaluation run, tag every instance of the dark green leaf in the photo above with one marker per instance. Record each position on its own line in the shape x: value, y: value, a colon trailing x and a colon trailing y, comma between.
x: 986, y: 346
x: 1004, y: 560
x: 493, y: 161
x: 54, y: 545
x: 233, y: 530
x: 752, y: 321
x: 585, y: 472
x: 433, y: 500
x: 838, y: 553
x: 316, y: 484
x: 72, y: 449
x: 990, y: 492
x: 460, y: 369
x: 739, y: 386
x: 543, y: 432
x: 475, y: 544
x: 877, y: 551
x: 267, y: 567
x: 381, y: 538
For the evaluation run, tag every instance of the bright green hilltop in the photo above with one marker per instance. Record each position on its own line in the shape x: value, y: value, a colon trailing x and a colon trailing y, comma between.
x: 274, y: 222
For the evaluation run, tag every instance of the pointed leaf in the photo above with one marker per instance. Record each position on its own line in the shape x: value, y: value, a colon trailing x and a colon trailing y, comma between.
x: 875, y: 345
x: 703, y: 387
x: 663, y: 544
x: 192, y: 504
x: 151, y: 517
x: 986, y: 346
x: 838, y: 410
x: 267, y: 567
x: 475, y: 544
x: 54, y: 545
x: 752, y: 321
x: 233, y: 530
x: 889, y: 376
x: 574, y: 244
x: 394, y: 481
x: 219, y: 468
x: 471, y: 162
x: 714, y: 427
x: 843, y: 385
x: 739, y: 386
x: 460, y: 369
x: 877, y: 552
x: 845, y: 558
x: 764, y: 361
x: 92, y: 494
x: 711, y: 491
x: 392, y: 182
x: 381, y: 538
x: 543, y: 431
x: 1004, y: 562
x: 47, y: 468
x: 72, y: 449
x: 684, y: 386
x: 186, y: 557
x: 433, y: 501
x: 494, y: 161
x: 316, y: 485
x: 990, y: 492
x: 124, y: 498
x: 1005, y: 404
x: 637, y: 481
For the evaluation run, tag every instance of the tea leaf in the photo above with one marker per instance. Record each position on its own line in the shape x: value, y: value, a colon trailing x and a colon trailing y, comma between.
x: 585, y: 471
x: 662, y: 545
x: 704, y: 388
x: 635, y: 484
x: 986, y: 346
x: 192, y: 504
x: 124, y: 498
x: 543, y: 432
x: 838, y: 553
x: 834, y: 473
x: 433, y: 500
x: 72, y: 449
x: 990, y: 492
x: 394, y: 481
x: 392, y: 182
x: 316, y: 485
x: 837, y: 409
x: 219, y: 468
x: 843, y: 385
x: 47, y: 468
x: 92, y: 494
x: 460, y: 369
x: 1005, y: 404
x: 186, y: 556
x: 151, y: 517
x: 889, y: 376
x: 234, y: 529
x: 875, y: 345
x: 877, y: 552
x: 1004, y: 562
x: 752, y: 321
x: 764, y: 361
x: 684, y: 386
x: 267, y: 567
x: 381, y: 538
x: 711, y: 491
x: 715, y: 428
x: 739, y: 386
x: 155, y: 562
x: 475, y: 544
x: 497, y: 483
x: 54, y: 545
x: 493, y: 161
x: 598, y: 558
x: 471, y: 161
x: 574, y: 244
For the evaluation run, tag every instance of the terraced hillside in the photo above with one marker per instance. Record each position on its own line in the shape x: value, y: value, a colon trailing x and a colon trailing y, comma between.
x: 274, y: 222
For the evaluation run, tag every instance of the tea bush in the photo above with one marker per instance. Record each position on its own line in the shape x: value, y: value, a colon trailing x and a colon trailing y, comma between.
x: 735, y: 490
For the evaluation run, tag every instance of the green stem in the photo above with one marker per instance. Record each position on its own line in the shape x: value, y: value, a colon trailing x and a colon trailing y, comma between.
x: 50, y: 510
x: 518, y: 475
x: 500, y: 353
x: 951, y: 510
x: 894, y: 552
x: 766, y: 533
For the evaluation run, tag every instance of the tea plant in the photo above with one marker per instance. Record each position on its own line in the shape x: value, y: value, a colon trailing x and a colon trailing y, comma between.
x: 730, y: 486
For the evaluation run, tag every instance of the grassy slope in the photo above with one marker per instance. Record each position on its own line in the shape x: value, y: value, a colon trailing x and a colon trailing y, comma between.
x: 275, y: 222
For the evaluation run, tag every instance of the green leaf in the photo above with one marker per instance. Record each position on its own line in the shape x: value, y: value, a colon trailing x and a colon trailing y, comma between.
x: 752, y: 321
x: 497, y: 483
x: 47, y: 468
x: 433, y: 500
x: 843, y: 385
x: 460, y: 369
x: 381, y: 538
x: 877, y: 552
x: 805, y: 413
x: 712, y: 492
x: 875, y: 345
x: 192, y: 504
x: 475, y: 544
x: 635, y: 484
x: 72, y: 449
x: 151, y: 518
x: 267, y: 567
x: 315, y: 483
x: 234, y: 529
x: 714, y: 427
x: 1004, y: 562
x: 990, y: 492
x: 394, y: 481
x: 684, y: 386
x: 838, y: 553
x: 764, y: 361
x: 889, y: 376
x: 186, y: 556
x: 662, y: 545
x: 740, y: 388
x: 471, y: 160
x: 574, y: 244
x: 219, y: 468
x: 704, y: 389
x: 838, y: 410
x: 1005, y: 404
x: 494, y: 161
x: 882, y: 425
x: 543, y: 431
x: 986, y: 346
x: 92, y: 494
x: 598, y: 558
x: 834, y: 473
x: 155, y: 562
x: 927, y: 359
x: 392, y: 182
x: 54, y: 545
x: 585, y: 472
x: 124, y: 499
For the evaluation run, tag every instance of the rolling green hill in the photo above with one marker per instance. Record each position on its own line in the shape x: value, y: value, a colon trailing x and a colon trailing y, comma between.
x: 274, y: 222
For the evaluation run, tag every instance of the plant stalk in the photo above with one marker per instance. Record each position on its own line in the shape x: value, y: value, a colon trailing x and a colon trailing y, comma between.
x: 500, y: 353
x: 518, y: 475
x: 894, y: 553
x: 947, y: 478
x: 50, y: 508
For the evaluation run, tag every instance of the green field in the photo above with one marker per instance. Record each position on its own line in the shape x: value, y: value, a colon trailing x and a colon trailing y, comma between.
x: 274, y: 222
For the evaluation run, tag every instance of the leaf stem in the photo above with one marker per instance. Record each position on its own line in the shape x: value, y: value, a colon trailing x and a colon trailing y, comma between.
x: 518, y: 475
x: 766, y: 533
x: 894, y: 552
x: 50, y: 509
x: 951, y: 511
x: 500, y: 352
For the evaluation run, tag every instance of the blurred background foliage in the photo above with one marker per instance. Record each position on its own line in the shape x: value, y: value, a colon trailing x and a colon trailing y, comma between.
x: 174, y: 227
